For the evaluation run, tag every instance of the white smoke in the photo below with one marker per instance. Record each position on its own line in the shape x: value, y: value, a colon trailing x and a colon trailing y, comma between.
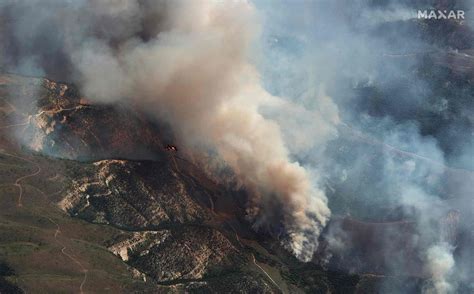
x: 191, y: 63
x: 196, y: 75
x: 351, y: 41
x: 440, y: 265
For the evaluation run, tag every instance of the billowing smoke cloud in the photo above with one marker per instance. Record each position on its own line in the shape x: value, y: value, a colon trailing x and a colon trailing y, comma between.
x: 404, y: 150
x: 441, y: 265
x: 254, y: 84
x: 187, y: 63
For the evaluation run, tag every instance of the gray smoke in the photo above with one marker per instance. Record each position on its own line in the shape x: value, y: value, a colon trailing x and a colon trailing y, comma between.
x: 440, y: 264
x: 405, y: 145
x: 300, y: 99
x: 187, y: 63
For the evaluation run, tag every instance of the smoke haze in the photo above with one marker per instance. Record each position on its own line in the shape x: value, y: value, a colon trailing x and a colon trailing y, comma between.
x: 188, y: 65
x: 301, y: 99
x: 405, y: 128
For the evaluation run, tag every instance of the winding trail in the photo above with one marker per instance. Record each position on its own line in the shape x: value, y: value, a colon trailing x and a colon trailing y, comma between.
x: 58, y: 229
x: 72, y: 258
x: 15, y: 125
x: 96, y: 139
x: 17, y: 182
x: 263, y: 271
x: 235, y: 232
x: 254, y: 260
x: 55, y: 111
x: 14, y: 110
x: 45, y: 197
x: 64, y: 248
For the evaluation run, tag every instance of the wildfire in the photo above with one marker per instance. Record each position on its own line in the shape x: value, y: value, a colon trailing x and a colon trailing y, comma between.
x: 171, y: 148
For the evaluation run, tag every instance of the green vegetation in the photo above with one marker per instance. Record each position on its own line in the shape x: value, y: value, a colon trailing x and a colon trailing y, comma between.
x: 48, y: 249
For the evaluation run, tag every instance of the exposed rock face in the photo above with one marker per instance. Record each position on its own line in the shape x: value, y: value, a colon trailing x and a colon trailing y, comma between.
x: 170, y: 238
x: 176, y: 230
x: 133, y: 195
x: 144, y: 196
x: 181, y: 253
x: 60, y: 123
x: 188, y: 253
x: 140, y: 242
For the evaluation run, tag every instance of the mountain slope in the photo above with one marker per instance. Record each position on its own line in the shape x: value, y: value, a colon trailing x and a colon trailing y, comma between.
x: 78, y: 217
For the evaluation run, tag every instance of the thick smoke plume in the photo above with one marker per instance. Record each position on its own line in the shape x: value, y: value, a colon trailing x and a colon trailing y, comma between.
x: 440, y: 266
x: 357, y: 97
x: 404, y: 150
x: 187, y: 63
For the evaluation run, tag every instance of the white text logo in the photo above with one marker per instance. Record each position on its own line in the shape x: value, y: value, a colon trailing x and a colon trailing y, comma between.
x: 441, y: 14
